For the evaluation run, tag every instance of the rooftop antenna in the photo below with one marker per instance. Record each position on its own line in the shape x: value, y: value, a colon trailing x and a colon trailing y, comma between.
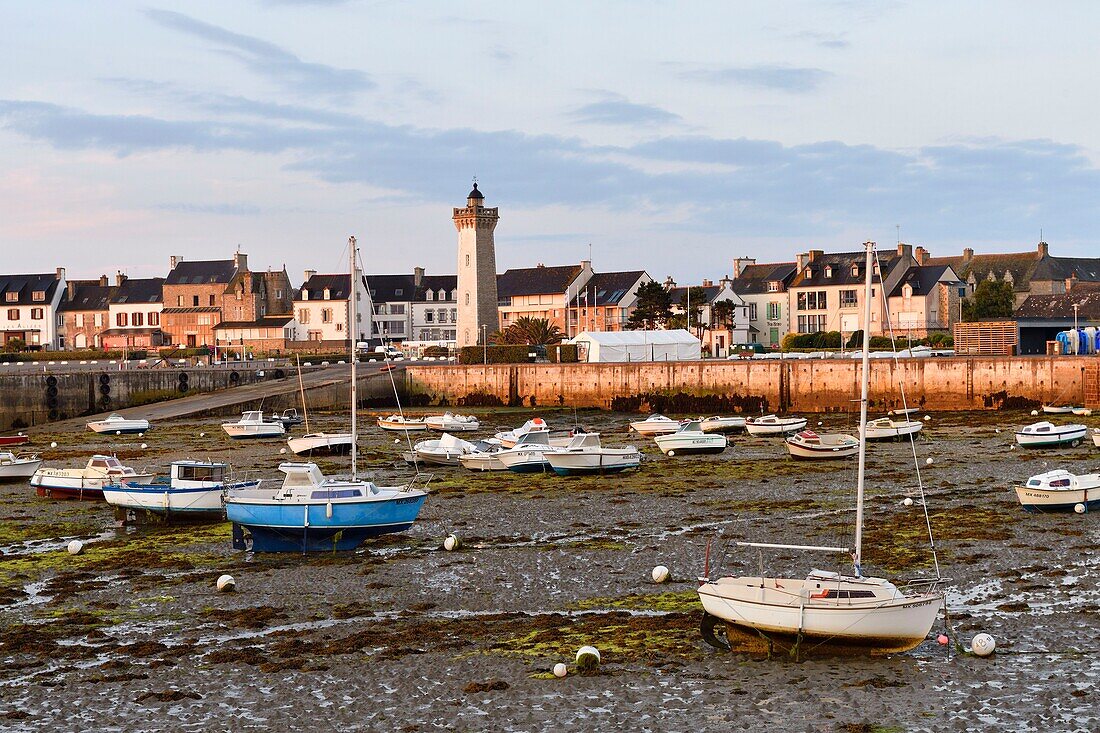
x: 898, y: 226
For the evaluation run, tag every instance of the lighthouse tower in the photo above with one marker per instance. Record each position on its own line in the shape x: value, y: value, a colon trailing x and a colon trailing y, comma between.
x: 477, y: 270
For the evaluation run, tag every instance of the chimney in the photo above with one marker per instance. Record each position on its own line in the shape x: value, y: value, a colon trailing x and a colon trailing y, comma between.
x: 586, y: 265
x: 905, y: 250
x: 726, y: 281
x: 707, y: 283
x: 1071, y: 281
x: 103, y: 281
x: 120, y: 278
x: 800, y: 262
x: 921, y: 255
x: 740, y: 263
x: 59, y: 273
x: 70, y: 288
x: 1043, y: 250
x: 968, y: 254
x: 418, y: 276
x: 669, y: 283
x: 240, y: 261
x: 173, y: 261
x: 813, y: 254
x: 307, y: 275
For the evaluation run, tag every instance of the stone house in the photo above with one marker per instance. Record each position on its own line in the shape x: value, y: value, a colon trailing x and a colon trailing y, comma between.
x: 134, y: 307
x: 84, y: 313
x: 763, y: 288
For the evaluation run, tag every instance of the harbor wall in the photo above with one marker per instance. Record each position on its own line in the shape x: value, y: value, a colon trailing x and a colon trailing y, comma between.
x: 949, y: 383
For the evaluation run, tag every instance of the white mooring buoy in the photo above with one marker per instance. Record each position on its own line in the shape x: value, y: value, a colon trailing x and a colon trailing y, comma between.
x: 588, y: 657
x: 451, y: 542
x: 907, y: 501
x: 226, y: 584
x: 660, y: 574
x: 76, y: 547
x: 983, y: 645
x: 560, y: 670
x: 1079, y: 508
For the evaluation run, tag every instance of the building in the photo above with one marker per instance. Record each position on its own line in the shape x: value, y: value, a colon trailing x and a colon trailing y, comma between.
x: 1030, y: 273
x: 1040, y: 317
x: 606, y: 300
x: 83, y: 314
x: 924, y: 300
x: 763, y: 288
x: 434, y: 310
x: 391, y: 297
x: 477, y: 269
x: 717, y: 328
x: 134, y: 310
x: 321, y: 307
x: 551, y: 293
x: 30, y: 304
x: 201, y: 295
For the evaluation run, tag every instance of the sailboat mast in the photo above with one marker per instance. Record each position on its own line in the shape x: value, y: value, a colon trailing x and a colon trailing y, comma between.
x: 353, y: 333
x: 865, y: 380
x: 302, y: 391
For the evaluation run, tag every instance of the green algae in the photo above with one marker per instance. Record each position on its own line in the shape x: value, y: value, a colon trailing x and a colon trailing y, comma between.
x: 684, y: 601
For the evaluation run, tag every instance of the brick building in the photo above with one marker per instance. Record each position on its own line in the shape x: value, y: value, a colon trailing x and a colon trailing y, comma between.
x: 83, y: 314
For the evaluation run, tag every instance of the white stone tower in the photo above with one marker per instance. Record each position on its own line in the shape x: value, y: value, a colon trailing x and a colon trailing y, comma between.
x: 477, y: 270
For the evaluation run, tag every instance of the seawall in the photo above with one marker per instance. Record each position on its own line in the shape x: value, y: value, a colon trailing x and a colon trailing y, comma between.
x: 951, y: 383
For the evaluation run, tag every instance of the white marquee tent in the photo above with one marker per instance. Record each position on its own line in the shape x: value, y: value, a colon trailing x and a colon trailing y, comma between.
x: 629, y: 346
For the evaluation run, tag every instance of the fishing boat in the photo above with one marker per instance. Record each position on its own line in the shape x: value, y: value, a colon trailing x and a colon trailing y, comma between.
x: 84, y: 483
x: 772, y: 425
x: 527, y: 456
x: 116, y: 423
x: 17, y: 467
x: 448, y: 422
x: 1060, y: 491
x: 827, y: 608
x: 809, y: 445
x: 252, y: 425
x: 193, y: 489
x: 690, y: 438
x: 655, y: 425
x: 585, y: 454
x: 9, y: 441
x: 320, y: 443
x: 443, y: 452
x: 313, y: 513
x: 1058, y: 409
x: 887, y: 428
x: 1046, y: 434
x: 402, y: 424
x: 718, y: 424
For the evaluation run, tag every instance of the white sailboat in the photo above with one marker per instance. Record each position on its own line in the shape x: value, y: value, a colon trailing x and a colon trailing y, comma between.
x: 827, y: 607
x: 320, y: 443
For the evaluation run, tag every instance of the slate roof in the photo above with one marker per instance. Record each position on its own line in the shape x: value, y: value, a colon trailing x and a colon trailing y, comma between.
x: 139, y: 290
x: 536, y: 280
x: 841, y: 263
x: 88, y: 295
x: 199, y: 272
x: 25, y: 286
x: 1060, y: 306
x: 609, y: 288
x: 1085, y: 269
x: 338, y: 286
x: 754, y: 279
x: 922, y: 278
x: 435, y: 283
x: 391, y: 288
x: 265, y: 322
x: 677, y: 295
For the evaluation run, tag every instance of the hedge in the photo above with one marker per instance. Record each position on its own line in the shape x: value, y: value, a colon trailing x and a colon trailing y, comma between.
x: 501, y: 354
x: 562, y: 353
x: 84, y: 355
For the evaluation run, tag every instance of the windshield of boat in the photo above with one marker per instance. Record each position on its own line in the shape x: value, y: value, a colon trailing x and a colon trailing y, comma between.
x: 335, y: 493
x: 201, y: 472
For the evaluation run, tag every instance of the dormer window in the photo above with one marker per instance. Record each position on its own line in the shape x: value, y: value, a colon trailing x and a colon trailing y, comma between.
x: 429, y: 295
x: 828, y: 271
x: 398, y: 291
x: 773, y: 286
x: 442, y: 294
x: 855, y: 270
x: 809, y: 272
x: 327, y: 294
x: 305, y: 294
x: 907, y: 291
x: 11, y: 296
x: 38, y: 295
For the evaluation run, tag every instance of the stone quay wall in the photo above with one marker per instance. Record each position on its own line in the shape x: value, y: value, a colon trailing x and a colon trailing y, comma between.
x: 947, y: 383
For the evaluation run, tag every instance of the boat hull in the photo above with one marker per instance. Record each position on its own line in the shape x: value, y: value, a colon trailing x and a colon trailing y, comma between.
x: 402, y: 427
x: 107, y: 429
x: 572, y: 464
x: 700, y: 444
x: 802, y: 452
x: 321, y: 526
x: 55, y: 486
x: 766, y: 429
x: 1040, y: 501
x: 9, y: 440
x: 321, y: 445
x: 237, y: 432
x: 893, y: 433
x: 19, y: 471
x: 654, y: 428
x: 165, y: 500
x: 1051, y: 440
x: 482, y: 462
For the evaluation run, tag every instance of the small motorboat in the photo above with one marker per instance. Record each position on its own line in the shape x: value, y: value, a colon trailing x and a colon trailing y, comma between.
x: 483, y: 460
x: 808, y: 445
x: 585, y: 454
x: 655, y: 425
x: 193, y: 488
x: 1058, y: 409
x: 1060, y: 491
x: 1082, y: 411
x: 402, y: 424
x: 8, y: 441
x: 117, y: 424
x: 253, y: 425
x: 84, y: 483
x: 887, y: 428
x: 448, y: 422
x: 690, y: 438
x: 443, y: 452
x: 1048, y: 435
x: 721, y: 424
x: 772, y: 425
x: 527, y: 456
x: 1096, y: 437
x: 318, y: 444
x: 509, y: 438
x: 903, y: 411
x: 289, y: 418
x: 17, y: 467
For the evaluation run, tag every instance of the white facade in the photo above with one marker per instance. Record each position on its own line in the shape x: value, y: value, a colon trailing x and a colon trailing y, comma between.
x: 321, y: 308
x: 28, y: 310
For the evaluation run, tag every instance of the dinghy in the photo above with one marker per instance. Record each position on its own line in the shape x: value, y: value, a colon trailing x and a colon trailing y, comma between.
x: 1058, y: 409
x: 252, y: 425
x: 483, y: 460
x: 193, y: 489
x: 84, y: 483
x: 118, y: 424
x: 690, y: 438
x: 772, y: 425
x: 808, y: 445
x: 319, y: 443
x: 450, y: 423
x: 1060, y: 491
x: 721, y: 424
x: 509, y: 438
x: 826, y: 608
x: 1046, y: 434
x: 8, y: 441
x: 402, y: 424
x: 17, y: 467
x: 443, y: 452
x: 887, y: 428
x: 655, y: 425
x: 585, y: 454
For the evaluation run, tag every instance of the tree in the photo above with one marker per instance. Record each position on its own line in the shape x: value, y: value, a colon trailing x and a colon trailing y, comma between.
x: 528, y: 330
x: 653, y: 309
x: 696, y: 296
x: 15, y: 344
x: 722, y: 314
x: 991, y: 299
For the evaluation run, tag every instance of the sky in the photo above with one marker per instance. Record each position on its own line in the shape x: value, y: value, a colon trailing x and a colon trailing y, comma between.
x: 671, y: 137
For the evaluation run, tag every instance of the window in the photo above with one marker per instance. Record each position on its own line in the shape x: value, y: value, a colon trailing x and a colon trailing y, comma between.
x: 467, y: 260
x: 60, y: 319
x: 11, y: 297
x: 907, y: 291
x: 278, y: 294
x: 303, y: 315
x: 397, y: 308
x: 120, y: 319
x: 442, y: 294
x: 467, y: 298
x: 78, y: 320
x: 327, y: 295
x: 428, y: 316
x: 428, y: 294
x: 752, y: 311
x: 339, y: 327
x: 38, y: 296
x: 99, y: 320
x: 212, y: 300
x: 811, y: 324
x: 179, y: 301
x: 809, y: 272
x: 37, y: 314
x: 139, y: 319
x: 828, y: 271
x: 204, y: 320
x: 326, y: 315
x: 773, y: 286
x: 398, y: 291
x: 775, y: 311
x: 442, y: 314
x: 848, y: 299
x: 812, y: 301
x: 454, y: 315
x: 195, y: 301
x: 855, y: 270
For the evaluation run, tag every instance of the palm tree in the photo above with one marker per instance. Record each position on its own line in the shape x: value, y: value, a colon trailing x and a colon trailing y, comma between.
x: 528, y: 330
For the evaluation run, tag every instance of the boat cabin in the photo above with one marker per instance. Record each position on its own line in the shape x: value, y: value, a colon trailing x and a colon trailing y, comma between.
x: 690, y: 426
x: 199, y: 471
x: 584, y: 440
x: 537, y: 437
x: 106, y: 464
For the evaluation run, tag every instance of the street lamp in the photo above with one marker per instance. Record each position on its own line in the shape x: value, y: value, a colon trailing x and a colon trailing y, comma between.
x: 484, y: 344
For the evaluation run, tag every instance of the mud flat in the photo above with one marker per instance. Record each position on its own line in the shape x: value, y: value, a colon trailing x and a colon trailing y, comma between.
x: 401, y: 635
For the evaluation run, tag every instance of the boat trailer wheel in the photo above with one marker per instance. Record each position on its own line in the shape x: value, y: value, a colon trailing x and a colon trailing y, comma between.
x: 713, y: 630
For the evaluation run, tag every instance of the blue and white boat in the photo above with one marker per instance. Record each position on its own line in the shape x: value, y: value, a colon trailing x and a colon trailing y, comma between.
x: 1060, y: 491
x: 194, y: 489
x: 312, y: 513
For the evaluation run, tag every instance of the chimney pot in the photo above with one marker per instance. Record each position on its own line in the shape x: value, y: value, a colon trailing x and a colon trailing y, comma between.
x: 59, y: 273
x: 707, y: 283
x: 813, y: 254
x: 120, y: 278
x: 921, y: 255
x: 418, y: 276
x: 1043, y: 249
x: 968, y: 254
x: 173, y: 261
x: 103, y: 281
x: 240, y: 261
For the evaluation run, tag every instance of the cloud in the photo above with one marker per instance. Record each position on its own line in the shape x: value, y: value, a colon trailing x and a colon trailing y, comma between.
x: 782, y: 78
x: 614, y: 109
x: 267, y: 59
x: 973, y: 189
x: 824, y: 40
x: 219, y: 209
